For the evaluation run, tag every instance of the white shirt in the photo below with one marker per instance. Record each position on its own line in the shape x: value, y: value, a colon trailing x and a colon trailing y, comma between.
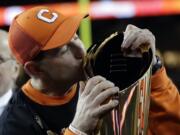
x: 4, y: 100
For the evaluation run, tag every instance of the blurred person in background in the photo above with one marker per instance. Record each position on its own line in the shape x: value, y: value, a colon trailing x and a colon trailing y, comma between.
x: 45, y: 43
x: 8, y: 71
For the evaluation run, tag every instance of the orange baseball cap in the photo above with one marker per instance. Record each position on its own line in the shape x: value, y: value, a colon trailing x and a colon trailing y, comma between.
x: 39, y: 29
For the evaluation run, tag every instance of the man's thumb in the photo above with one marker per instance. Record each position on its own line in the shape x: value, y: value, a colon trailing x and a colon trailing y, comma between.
x: 82, y: 85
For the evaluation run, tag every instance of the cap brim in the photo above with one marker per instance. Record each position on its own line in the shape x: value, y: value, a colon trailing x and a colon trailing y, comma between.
x: 65, y: 32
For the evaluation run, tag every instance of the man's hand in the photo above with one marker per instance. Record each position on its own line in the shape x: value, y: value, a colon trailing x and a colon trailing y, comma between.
x: 134, y: 37
x: 92, y: 103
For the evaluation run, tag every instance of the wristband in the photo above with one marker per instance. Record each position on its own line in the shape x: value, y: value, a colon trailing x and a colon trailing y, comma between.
x: 76, y: 131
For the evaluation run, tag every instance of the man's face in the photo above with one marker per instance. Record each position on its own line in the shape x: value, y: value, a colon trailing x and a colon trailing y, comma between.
x: 7, y: 66
x: 65, y: 64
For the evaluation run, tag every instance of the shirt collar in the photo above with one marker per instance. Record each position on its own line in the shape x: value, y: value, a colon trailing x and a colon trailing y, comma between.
x: 43, y: 99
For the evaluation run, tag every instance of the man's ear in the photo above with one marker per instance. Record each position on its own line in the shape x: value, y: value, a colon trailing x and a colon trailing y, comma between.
x: 32, y: 69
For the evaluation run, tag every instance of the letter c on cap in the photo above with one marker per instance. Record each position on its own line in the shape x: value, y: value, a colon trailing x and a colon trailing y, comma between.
x: 45, y: 19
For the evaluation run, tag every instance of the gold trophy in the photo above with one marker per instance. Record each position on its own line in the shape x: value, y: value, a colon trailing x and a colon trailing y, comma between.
x: 132, y: 75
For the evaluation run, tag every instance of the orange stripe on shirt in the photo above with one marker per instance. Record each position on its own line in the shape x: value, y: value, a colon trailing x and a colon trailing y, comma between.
x: 44, y: 99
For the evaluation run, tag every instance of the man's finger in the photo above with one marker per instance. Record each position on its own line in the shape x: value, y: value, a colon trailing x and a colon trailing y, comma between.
x: 82, y: 85
x: 101, y: 87
x: 91, y: 83
x: 105, y: 108
x: 105, y: 95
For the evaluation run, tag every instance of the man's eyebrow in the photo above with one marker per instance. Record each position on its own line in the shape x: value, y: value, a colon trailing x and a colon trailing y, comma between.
x: 75, y: 37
